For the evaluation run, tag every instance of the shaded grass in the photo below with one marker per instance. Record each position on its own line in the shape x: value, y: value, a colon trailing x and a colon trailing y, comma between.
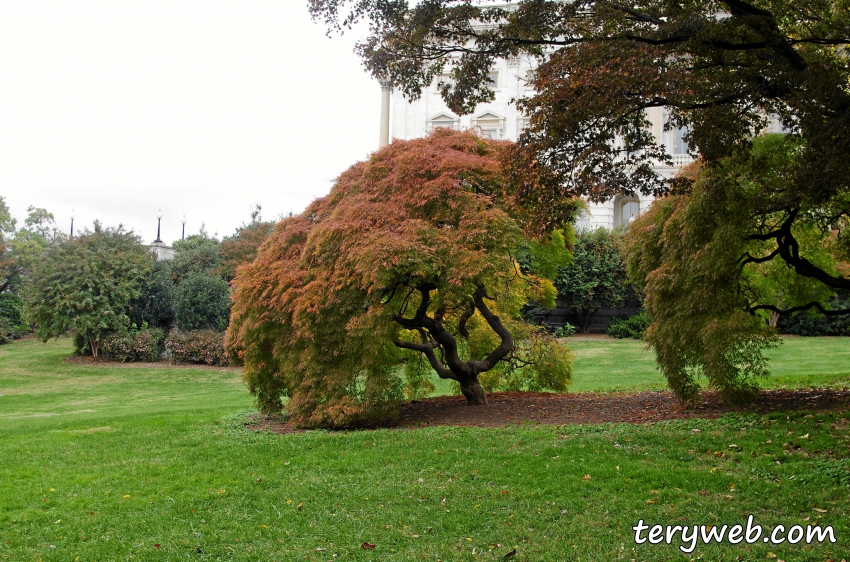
x: 165, y: 458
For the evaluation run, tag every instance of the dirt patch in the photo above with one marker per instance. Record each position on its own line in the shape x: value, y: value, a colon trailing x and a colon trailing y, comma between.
x: 100, y: 362
x: 512, y: 408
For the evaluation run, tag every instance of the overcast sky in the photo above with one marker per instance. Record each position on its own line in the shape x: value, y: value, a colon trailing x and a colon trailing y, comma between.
x: 117, y: 108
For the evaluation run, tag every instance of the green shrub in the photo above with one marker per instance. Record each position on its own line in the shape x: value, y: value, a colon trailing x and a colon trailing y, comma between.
x: 133, y: 345
x: 200, y: 347
x: 203, y: 303
x: 632, y: 327
x: 566, y: 330
x: 12, y: 325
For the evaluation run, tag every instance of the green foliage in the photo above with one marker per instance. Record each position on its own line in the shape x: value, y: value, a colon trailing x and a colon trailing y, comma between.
x: 705, y: 263
x: 198, y: 253
x: 813, y: 323
x: 12, y: 325
x: 155, y: 305
x: 203, y: 303
x: 133, y: 345
x: 596, y: 278
x: 203, y: 347
x: 632, y: 327
x: 85, y: 285
x: 411, y: 251
x: 565, y: 331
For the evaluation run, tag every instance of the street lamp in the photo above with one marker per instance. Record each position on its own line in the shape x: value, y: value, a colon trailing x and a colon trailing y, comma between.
x: 183, y: 235
x: 72, y: 222
x: 158, y: 222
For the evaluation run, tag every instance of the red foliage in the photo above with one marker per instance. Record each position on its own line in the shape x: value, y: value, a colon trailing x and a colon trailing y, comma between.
x: 319, y: 314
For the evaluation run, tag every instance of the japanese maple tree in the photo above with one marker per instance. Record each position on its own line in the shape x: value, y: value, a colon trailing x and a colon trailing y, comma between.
x: 408, y: 261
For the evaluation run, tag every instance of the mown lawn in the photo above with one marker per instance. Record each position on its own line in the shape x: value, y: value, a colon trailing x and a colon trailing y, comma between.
x: 106, y: 463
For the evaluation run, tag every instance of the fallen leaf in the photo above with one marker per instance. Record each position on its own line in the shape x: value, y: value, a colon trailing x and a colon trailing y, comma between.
x: 156, y: 545
x: 300, y: 505
x: 586, y: 477
x: 806, y: 436
x: 320, y: 549
x: 819, y: 510
x: 367, y: 546
x: 770, y: 555
x: 126, y: 496
x: 510, y: 554
x: 651, y: 501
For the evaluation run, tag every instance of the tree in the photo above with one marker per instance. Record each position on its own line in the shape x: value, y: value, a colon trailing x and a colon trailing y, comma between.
x: 7, y: 262
x: 203, y: 303
x: 719, y: 68
x: 596, y: 278
x: 198, y: 253
x: 709, y: 265
x: 86, y: 284
x: 155, y: 305
x: 242, y: 247
x: 408, y: 259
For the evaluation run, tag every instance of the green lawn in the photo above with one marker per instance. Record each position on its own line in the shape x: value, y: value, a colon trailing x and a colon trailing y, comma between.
x: 609, y: 364
x: 106, y: 463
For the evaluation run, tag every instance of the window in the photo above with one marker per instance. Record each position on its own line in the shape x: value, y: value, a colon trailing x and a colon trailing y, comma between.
x: 626, y: 209
x: 491, y: 125
x: 443, y: 80
x: 493, y: 77
x: 442, y: 120
x: 674, y: 141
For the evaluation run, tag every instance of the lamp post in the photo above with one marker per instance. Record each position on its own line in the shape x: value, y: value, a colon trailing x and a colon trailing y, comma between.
x: 72, y: 222
x: 183, y: 235
x: 158, y: 222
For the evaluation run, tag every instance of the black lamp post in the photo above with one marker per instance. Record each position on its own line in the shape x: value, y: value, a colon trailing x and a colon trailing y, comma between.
x: 183, y: 235
x: 158, y: 222
x: 72, y: 222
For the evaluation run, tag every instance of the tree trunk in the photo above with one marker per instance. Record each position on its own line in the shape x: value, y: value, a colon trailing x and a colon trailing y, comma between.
x: 475, y: 395
x: 585, y: 320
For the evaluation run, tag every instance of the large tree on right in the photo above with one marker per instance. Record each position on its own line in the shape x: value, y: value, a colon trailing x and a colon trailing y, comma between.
x: 712, y: 266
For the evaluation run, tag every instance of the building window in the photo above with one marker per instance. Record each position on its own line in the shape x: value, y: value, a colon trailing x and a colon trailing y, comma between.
x: 442, y: 120
x: 493, y: 77
x: 491, y: 125
x: 443, y: 80
x: 626, y: 209
x: 673, y: 139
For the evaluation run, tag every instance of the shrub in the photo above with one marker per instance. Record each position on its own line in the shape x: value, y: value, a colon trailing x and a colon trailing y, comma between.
x: 201, y: 347
x: 203, y: 303
x: 631, y: 327
x: 12, y: 326
x: 566, y: 330
x: 133, y: 345
x: 812, y: 323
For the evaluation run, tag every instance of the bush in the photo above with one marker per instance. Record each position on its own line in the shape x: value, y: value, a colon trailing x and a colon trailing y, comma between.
x: 134, y: 345
x: 12, y: 325
x: 203, y: 303
x: 203, y: 347
x: 632, y: 327
x: 812, y: 323
x: 566, y: 330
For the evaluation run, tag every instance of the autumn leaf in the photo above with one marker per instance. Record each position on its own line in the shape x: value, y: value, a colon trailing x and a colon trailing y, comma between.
x: 510, y: 554
x: 586, y: 477
x: 367, y: 546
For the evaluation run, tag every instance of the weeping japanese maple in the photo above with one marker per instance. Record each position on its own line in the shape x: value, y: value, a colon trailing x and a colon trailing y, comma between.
x: 408, y: 262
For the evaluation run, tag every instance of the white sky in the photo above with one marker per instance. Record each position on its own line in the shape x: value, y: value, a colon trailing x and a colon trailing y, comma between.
x: 117, y: 108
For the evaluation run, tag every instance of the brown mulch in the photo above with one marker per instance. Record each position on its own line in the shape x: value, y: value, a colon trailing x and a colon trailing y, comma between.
x: 511, y: 408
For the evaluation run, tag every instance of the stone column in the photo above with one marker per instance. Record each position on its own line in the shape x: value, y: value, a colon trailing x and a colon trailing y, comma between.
x: 385, y: 114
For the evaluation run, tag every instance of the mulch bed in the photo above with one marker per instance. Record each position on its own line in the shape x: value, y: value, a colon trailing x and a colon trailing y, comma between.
x: 512, y: 408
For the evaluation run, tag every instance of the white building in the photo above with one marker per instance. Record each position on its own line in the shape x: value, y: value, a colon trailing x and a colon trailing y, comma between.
x: 500, y: 119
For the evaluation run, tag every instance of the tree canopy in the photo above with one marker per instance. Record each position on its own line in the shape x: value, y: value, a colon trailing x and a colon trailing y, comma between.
x: 87, y: 283
x: 709, y: 265
x: 720, y: 68
x: 408, y: 260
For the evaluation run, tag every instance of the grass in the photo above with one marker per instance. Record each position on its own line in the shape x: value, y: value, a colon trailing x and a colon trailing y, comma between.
x: 105, y: 463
